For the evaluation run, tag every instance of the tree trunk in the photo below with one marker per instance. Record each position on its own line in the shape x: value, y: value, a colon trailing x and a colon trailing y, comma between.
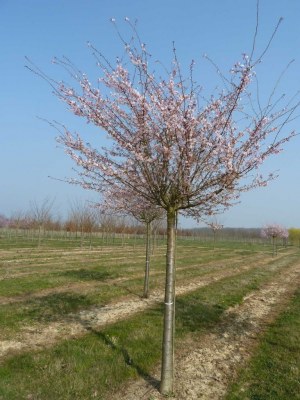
x: 167, y: 371
x: 147, y: 266
x: 274, y: 246
x: 39, y: 236
x: 90, y: 240
x: 81, y: 238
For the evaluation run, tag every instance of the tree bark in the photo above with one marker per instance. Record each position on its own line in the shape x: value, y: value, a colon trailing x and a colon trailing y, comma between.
x: 147, y: 266
x: 39, y: 236
x: 214, y: 240
x: 167, y: 371
x: 274, y: 246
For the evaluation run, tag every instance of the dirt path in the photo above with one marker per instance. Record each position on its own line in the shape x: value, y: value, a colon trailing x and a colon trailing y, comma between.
x: 205, y: 372
x: 40, y: 336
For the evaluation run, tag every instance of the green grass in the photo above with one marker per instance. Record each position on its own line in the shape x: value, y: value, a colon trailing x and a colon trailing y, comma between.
x: 49, y: 269
x: 100, y: 362
x: 80, y: 369
x: 30, y: 284
x: 97, y: 364
x: 52, y: 307
x: 274, y: 372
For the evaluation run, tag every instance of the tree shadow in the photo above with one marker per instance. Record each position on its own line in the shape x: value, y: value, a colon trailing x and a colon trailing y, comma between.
x: 126, y: 356
x: 88, y: 275
x: 128, y: 290
x: 235, y: 326
x: 93, y: 275
x: 192, y: 315
x: 55, y: 306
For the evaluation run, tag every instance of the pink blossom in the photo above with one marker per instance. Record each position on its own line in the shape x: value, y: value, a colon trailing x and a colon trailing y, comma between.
x: 169, y: 150
x: 274, y: 231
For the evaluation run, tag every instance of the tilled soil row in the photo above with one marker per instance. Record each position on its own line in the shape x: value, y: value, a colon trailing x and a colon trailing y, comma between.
x: 39, y: 336
x: 205, y: 372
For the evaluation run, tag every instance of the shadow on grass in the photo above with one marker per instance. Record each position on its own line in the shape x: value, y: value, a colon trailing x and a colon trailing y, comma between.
x: 89, y: 275
x: 129, y: 290
x: 55, y: 306
x: 126, y: 356
x: 192, y: 316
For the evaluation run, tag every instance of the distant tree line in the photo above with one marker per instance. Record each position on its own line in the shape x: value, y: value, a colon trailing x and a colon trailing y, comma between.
x: 83, y: 220
x: 222, y: 233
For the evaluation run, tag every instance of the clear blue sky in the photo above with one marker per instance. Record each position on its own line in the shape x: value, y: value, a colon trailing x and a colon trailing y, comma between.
x: 41, y: 29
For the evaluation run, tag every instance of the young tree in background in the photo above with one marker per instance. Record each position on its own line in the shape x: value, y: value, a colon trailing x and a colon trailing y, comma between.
x: 215, y: 226
x: 274, y: 231
x: 40, y: 214
x: 158, y: 228
x: 128, y: 203
x: 169, y: 146
x: 108, y: 225
x: 16, y: 219
x: 82, y: 218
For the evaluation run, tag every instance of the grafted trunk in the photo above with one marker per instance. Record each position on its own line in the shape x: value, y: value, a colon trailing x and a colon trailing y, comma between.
x: 167, y: 372
x: 147, y: 266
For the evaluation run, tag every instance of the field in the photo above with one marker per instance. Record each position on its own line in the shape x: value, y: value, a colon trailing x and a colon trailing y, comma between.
x: 74, y: 324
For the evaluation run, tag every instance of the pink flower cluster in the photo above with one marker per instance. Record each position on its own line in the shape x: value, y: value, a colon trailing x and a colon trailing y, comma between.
x: 169, y: 150
x: 274, y: 231
x: 125, y: 202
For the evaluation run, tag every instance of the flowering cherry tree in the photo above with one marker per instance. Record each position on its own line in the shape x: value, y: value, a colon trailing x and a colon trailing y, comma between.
x: 169, y: 147
x: 128, y: 203
x: 215, y: 226
x: 274, y: 231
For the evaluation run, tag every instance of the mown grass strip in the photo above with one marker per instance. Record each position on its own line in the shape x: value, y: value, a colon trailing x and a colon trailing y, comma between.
x: 54, y: 306
x: 97, y: 364
x: 274, y: 372
x: 40, y: 271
